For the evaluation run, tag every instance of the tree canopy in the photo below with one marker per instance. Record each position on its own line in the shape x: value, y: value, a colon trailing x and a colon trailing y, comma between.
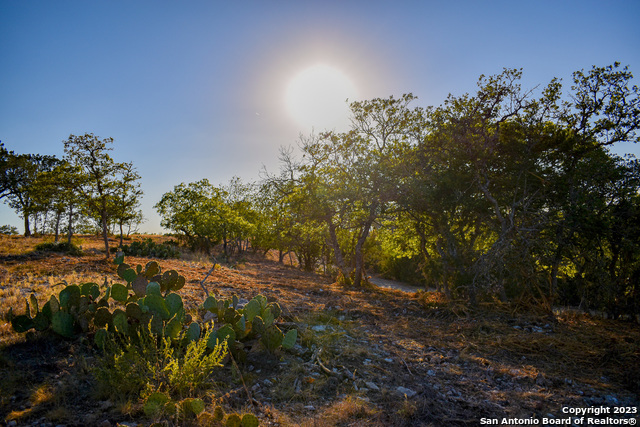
x: 501, y: 194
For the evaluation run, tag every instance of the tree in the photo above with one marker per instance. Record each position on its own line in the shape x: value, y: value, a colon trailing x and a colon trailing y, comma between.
x: 101, y: 178
x: 125, y: 202
x: 344, y: 181
x: 18, y: 181
x: 201, y: 213
x: 241, y: 215
x: 55, y: 191
x: 499, y: 187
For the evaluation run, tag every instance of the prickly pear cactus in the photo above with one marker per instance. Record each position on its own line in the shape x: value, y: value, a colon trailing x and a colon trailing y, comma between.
x: 62, y: 324
x: 249, y: 420
x: 218, y: 414
x: 253, y: 320
x: 272, y: 338
x: 234, y: 420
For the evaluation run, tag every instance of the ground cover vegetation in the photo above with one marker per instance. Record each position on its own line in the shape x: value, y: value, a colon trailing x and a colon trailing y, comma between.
x: 508, y: 198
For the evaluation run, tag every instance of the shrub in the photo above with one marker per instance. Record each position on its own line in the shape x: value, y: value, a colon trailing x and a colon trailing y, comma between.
x: 9, y: 230
x: 63, y: 247
x: 147, y: 364
x: 148, y: 248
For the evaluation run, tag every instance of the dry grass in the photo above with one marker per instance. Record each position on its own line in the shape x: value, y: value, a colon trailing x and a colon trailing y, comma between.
x: 496, y: 361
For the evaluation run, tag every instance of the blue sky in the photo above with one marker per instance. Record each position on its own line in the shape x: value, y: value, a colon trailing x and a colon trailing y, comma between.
x: 196, y: 89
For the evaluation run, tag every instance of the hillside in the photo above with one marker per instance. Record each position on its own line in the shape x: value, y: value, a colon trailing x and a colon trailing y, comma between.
x: 367, y: 356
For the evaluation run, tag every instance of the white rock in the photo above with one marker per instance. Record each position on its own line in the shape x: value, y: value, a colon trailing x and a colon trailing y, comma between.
x: 406, y: 391
x: 372, y: 386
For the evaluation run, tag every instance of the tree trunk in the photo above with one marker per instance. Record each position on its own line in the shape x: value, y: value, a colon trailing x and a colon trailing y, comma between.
x: 358, y: 253
x: 27, y: 229
x: 57, y: 235
x: 105, y: 233
x: 337, y: 252
x: 224, y: 241
x: 120, y: 233
x: 70, y: 230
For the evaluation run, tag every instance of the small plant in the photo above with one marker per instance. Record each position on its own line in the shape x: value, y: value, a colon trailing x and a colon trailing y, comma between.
x: 151, y: 365
x: 148, y: 248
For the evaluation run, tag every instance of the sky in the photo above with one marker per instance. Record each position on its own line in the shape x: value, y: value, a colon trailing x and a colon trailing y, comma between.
x: 205, y: 89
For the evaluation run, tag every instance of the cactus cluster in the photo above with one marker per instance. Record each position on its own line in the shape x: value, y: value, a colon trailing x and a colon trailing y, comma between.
x: 148, y: 299
x: 70, y: 312
x: 241, y: 326
x: 147, y: 302
x: 158, y: 403
x: 219, y: 417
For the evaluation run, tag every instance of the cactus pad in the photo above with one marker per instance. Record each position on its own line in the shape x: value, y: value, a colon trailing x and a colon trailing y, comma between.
x: 290, y: 339
x: 119, y: 292
x: 62, y: 324
x: 120, y: 322
x: 234, y: 420
x: 155, y: 404
x: 272, y: 338
x: 249, y: 420
x: 153, y: 288
x: 70, y: 296
x: 174, y: 304
x: 139, y: 286
x: 22, y: 323
x: 151, y: 269
x: 251, y: 310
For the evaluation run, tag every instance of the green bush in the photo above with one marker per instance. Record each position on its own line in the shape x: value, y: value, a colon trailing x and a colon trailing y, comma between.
x: 9, y: 230
x: 148, y: 248
x: 131, y: 368
x: 63, y: 247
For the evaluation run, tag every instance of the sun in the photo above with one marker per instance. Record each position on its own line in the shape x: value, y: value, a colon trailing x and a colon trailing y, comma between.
x: 317, y: 97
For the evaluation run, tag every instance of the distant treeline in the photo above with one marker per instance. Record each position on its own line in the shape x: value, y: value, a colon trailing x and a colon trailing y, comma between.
x: 85, y: 191
x: 504, y: 194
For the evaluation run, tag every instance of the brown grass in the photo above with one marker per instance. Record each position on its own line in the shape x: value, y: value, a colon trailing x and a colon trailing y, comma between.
x: 462, y: 364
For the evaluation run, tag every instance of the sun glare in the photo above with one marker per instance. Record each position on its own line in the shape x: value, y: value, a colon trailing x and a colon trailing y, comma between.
x: 316, y: 97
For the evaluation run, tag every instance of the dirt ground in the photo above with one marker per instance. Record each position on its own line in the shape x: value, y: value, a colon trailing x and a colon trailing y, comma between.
x: 371, y: 356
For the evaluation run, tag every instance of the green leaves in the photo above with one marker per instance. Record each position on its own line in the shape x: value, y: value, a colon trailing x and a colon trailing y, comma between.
x: 206, y: 214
